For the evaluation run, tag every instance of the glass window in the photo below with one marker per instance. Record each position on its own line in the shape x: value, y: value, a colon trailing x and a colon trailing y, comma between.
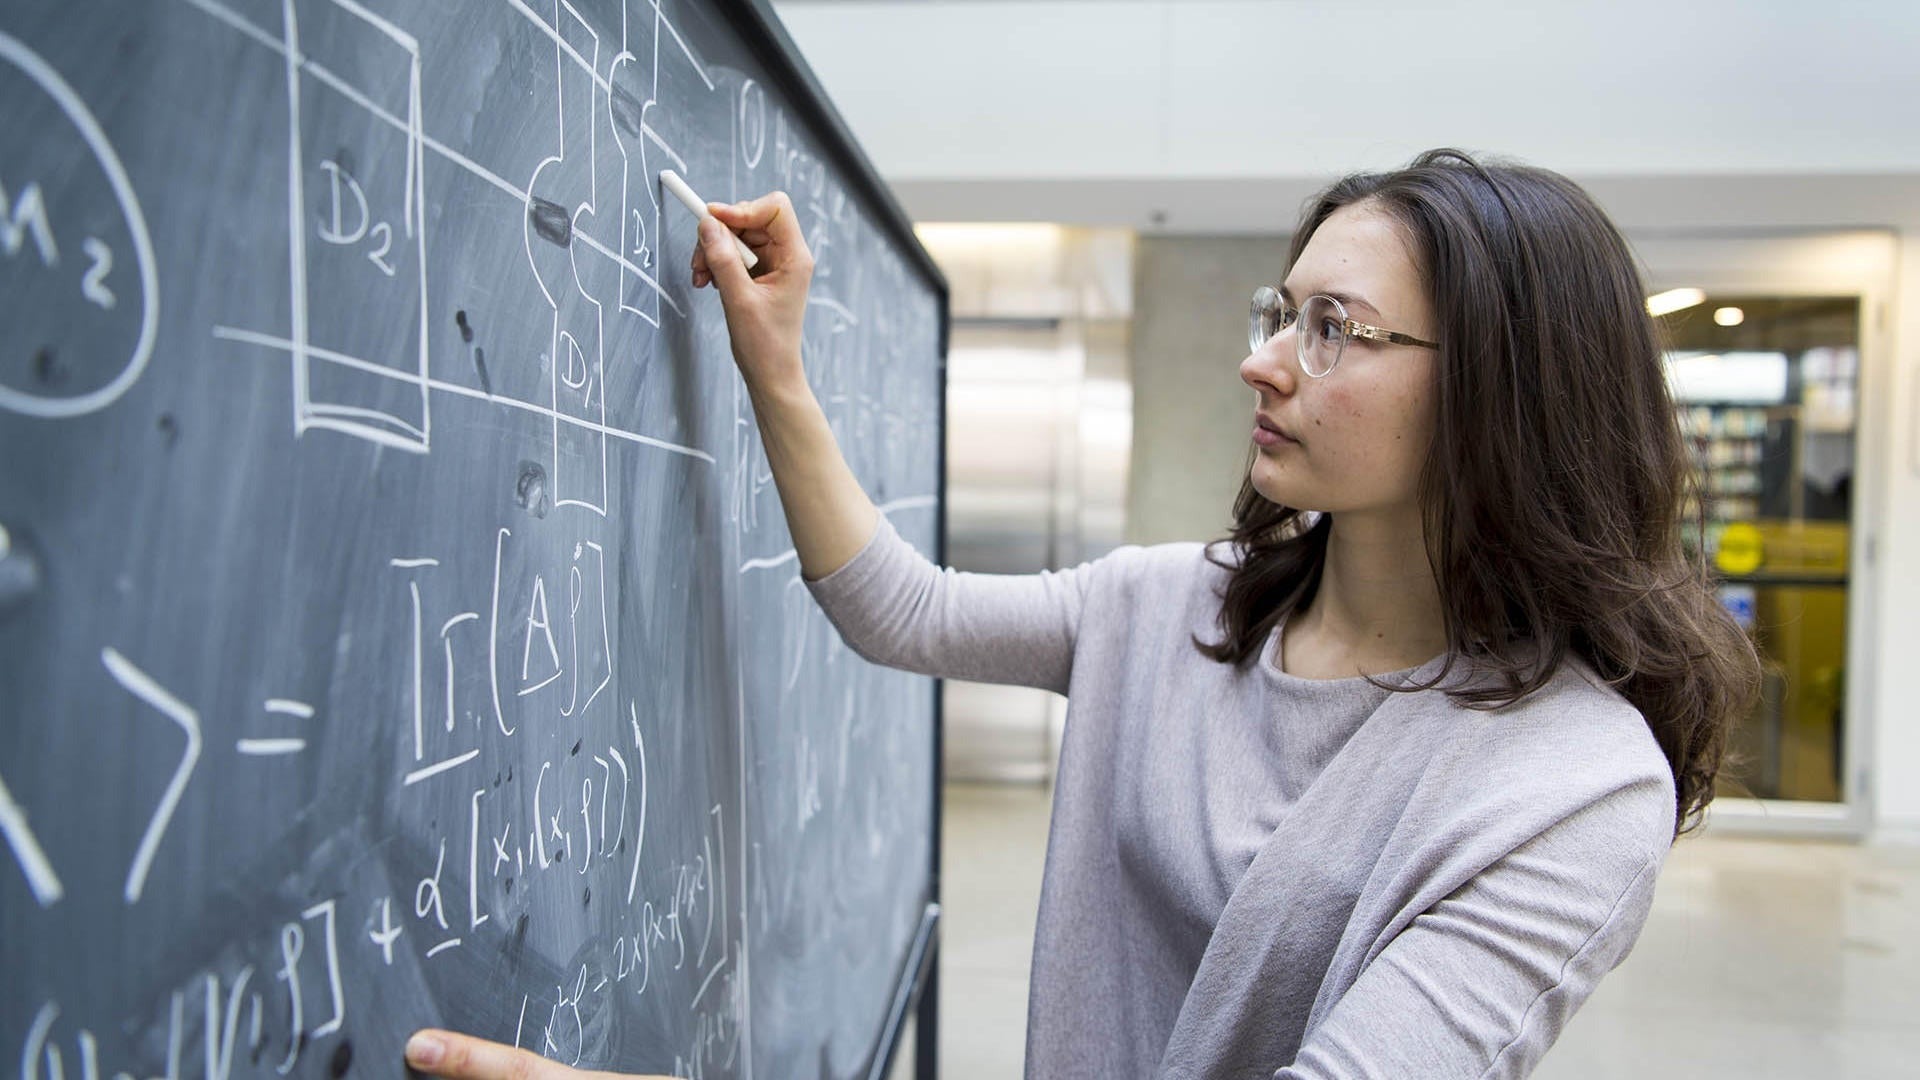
x: 1766, y: 390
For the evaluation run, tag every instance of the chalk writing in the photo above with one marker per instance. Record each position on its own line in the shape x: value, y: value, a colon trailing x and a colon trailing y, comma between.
x: 438, y: 626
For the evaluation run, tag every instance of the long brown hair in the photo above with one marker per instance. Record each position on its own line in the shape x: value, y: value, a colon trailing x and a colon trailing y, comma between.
x: 1552, y: 492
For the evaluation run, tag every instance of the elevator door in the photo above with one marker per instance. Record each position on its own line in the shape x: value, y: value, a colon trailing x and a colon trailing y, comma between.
x: 1039, y: 421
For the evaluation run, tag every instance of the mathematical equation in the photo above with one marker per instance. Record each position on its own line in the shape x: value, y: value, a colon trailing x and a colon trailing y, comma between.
x: 543, y: 832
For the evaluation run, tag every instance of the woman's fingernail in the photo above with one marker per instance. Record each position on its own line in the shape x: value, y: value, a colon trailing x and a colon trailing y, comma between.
x: 424, y: 1051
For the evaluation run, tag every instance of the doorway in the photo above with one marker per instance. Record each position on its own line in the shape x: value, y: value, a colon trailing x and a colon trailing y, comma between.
x: 1767, y: 392
x: 1777, y: 346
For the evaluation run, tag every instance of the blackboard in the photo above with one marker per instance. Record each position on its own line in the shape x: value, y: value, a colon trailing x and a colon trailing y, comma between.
x: 398, y: 623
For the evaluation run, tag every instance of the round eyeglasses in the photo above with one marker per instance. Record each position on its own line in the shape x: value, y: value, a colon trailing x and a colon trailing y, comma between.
x: 1320, y: 338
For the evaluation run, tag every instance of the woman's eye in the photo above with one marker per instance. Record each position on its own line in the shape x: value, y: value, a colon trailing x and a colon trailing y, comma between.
x: 1329, y: 331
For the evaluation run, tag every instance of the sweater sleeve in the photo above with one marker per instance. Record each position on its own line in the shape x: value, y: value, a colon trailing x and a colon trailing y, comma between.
x: 892, y: 606
x: 1480, y: 984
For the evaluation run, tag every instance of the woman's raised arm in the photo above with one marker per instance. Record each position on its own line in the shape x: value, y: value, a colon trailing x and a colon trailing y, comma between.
x: 828, y: 512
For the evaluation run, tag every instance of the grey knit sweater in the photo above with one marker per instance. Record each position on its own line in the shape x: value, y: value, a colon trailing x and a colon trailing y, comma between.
x: 1254, y: 874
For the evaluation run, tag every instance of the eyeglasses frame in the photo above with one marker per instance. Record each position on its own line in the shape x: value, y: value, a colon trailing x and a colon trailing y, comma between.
x: 1353, y: 327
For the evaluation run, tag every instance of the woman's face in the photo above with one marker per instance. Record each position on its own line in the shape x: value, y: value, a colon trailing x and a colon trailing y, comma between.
x: 1357, y: 438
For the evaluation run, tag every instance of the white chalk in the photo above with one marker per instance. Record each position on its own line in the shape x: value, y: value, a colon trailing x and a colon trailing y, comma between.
x: 672, y: 182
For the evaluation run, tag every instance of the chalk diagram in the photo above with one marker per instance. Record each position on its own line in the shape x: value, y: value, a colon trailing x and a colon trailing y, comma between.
x: 41, y: 263
x: 362, y: 257
x: 358, y: 240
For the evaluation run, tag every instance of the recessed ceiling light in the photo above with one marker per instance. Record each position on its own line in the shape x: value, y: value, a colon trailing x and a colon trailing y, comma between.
x: 1729, y: 316
x: 1666, y: 303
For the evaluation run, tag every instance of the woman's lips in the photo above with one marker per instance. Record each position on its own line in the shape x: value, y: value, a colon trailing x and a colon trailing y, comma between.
x: 1266, y: 434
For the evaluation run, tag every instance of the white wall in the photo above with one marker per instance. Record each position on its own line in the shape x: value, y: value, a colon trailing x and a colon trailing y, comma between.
x: 1897, y: 723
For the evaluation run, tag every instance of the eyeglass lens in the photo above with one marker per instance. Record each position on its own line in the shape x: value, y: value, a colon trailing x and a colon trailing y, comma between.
x: 1265, y: 319
x: 1320, y: 338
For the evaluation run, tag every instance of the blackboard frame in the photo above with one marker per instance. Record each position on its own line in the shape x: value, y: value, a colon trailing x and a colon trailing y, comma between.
x: 916, y: 993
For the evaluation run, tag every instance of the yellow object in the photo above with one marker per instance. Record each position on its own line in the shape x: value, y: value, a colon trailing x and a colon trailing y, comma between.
x: 1796, y: 737
x: 1740, y: 550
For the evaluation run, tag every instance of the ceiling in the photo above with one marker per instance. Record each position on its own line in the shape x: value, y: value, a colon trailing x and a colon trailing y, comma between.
x: 1222, y: 115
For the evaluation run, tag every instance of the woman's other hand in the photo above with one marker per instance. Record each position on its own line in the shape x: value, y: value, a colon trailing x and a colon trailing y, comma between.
x: 463, y: 1057
x: 764, y: 308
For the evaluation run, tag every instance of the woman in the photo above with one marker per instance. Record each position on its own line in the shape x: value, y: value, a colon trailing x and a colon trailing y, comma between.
x: 1381, y: 785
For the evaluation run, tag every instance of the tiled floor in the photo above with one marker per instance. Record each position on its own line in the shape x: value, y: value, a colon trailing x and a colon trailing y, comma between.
x: 1761, y: 959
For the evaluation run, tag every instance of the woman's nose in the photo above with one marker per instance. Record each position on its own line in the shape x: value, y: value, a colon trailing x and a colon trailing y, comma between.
x: 1271, y: 367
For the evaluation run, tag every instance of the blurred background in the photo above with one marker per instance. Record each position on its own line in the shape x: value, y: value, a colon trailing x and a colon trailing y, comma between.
x: 1104, y: 183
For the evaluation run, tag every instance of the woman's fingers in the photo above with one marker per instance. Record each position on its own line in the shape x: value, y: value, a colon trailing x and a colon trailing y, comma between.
x: 701, y: 274
x: 768, y: 226
x: 771, y: 213
x: 756, y: 236
x: 757, y: 239
x: 462, y: 1057
x: 722, y: 258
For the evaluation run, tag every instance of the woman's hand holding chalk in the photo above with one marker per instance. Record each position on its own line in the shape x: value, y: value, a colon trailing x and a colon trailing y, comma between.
x: 672, y: 182
x: 765, y: 310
